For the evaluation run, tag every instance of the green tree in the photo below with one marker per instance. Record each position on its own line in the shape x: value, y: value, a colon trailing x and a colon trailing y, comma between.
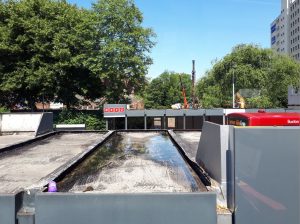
x: 43, y: 48
x: 254, y: 68
x: 165, y: 90
x: 53, y: 50
x: 123, y: 45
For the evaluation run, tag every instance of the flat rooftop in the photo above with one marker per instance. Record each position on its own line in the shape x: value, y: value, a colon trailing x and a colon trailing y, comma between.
x: 14, y: 138
x: 26, y: 166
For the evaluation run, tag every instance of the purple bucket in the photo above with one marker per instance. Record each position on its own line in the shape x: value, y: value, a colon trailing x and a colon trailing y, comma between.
x: 52, y: 186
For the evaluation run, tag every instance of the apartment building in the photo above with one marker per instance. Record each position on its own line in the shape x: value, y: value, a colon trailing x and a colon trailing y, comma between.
x: 285, y: 29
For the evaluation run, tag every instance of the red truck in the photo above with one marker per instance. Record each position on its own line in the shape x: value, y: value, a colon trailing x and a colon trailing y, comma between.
x: 262, y: 118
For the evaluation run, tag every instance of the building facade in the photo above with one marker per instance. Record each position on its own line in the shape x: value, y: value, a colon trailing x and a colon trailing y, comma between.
x: 285, y: 29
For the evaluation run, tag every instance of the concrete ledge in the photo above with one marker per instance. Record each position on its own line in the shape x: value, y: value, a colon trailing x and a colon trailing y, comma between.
x: 61, y: 127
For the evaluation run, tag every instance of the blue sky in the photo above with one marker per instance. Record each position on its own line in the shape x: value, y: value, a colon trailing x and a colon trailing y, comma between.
x: 202, y: 30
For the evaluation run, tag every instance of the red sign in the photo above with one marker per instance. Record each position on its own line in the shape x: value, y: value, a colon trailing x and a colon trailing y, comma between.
x: 114, y: 110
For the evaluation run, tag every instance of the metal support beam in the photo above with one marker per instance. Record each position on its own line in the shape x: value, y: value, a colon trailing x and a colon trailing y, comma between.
x: 126, y: 124
x: 145, y: 122
x: 164, y: 122
x: 106, y: 124
x: 224, y: 117
x: 184, y: 122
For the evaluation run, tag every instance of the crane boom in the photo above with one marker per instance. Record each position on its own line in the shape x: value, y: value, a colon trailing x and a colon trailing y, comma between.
x: 185, y: 103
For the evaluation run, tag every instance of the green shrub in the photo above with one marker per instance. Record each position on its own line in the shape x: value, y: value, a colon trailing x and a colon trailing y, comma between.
x: 3, y: 109
x: 92, y: 121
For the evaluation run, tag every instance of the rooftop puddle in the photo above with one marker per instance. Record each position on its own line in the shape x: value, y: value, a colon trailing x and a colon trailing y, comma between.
x: 133, y: 163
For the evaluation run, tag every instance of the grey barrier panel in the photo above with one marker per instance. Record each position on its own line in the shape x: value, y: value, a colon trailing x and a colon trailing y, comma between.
x: 153, y: 208
x: 211, y: 154
x: 114, y: 110
x: 191, y: 113
x: 230, y: 170
x: 253, y: 110
x: 276, y: 110
x: 9, y: 204
x: 267, y: 175
x: 174, y: 113
x: 214, y: 112
x: 155, y: 113
x: 135, y: 113
x: 46, y: 124
x: 292, y: 110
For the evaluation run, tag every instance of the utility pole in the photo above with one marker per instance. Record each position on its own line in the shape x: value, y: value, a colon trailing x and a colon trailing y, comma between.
x: 233, y: 95
x: 193, y: 84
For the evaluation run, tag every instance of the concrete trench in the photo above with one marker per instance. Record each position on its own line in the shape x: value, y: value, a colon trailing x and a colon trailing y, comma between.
x: 133, y: 163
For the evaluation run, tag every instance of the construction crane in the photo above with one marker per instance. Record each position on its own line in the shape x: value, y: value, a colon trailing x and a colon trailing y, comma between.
x: 193, y: 85
x: 185, y: 103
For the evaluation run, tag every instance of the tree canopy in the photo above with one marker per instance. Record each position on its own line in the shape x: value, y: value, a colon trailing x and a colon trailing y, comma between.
x: 54, y: 50
x: 165, y: 90
x: 257, y: 70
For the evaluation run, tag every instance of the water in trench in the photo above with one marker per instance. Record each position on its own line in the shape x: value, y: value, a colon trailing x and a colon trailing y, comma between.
x: 133, y: 162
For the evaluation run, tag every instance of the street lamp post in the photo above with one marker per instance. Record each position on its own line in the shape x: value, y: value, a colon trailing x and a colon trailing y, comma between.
x: 233, y: 91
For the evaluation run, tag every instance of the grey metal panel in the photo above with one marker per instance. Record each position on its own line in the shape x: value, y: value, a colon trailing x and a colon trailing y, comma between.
x: 195, y: 113
x: 211, y: 152
x: 230, y: 170
x: 214, y: 112
x: 292, y: 110
x: 155, y: 113
x: 267, y: 180
x: 174, y: 113
x: 135, y: 113
x: 46, y: 124
x: 7, y: 208
x: 109, y: 110
x: 275, y: 110
x: 126, y: 208
x: 253, y: 110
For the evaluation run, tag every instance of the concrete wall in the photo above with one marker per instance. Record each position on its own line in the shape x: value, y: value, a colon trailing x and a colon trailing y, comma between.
x: 17, y: 122
x: 38, y: 123
x: 211, y: 154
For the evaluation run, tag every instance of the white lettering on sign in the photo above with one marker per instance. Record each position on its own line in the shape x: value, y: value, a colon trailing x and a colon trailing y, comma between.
x: 293, y: 122
x: 114, y: 110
